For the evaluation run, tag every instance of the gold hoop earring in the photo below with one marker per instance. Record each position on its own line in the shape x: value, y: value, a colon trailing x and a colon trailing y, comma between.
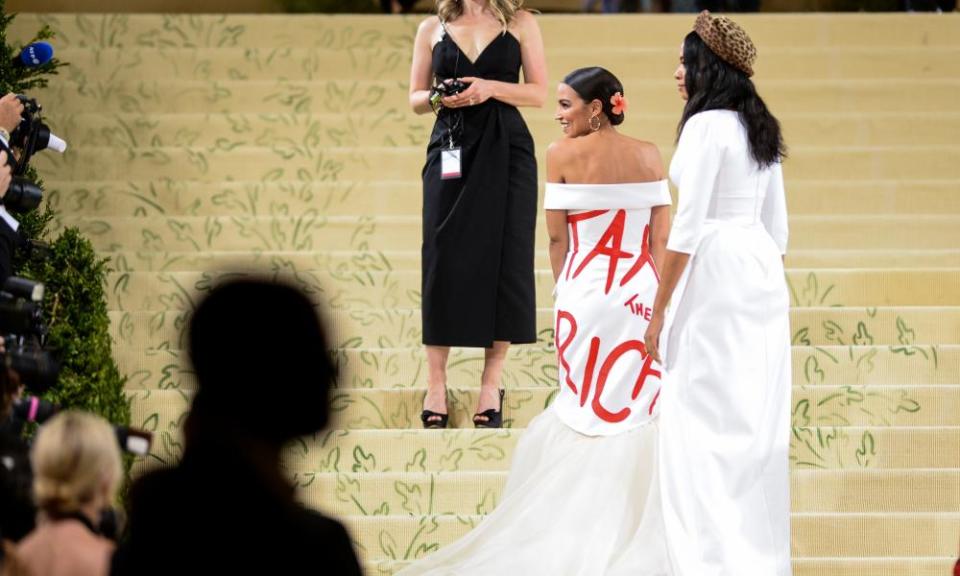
x: 592, y: 127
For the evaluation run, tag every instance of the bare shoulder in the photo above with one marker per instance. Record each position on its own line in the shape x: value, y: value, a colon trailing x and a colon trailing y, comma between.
x: 644, y: 148
x: 524, y: 18
x: 647, y: 155
x: 559, y: 156
x: 561, y: 148
x: 428, y: 26
x: 523, y: 24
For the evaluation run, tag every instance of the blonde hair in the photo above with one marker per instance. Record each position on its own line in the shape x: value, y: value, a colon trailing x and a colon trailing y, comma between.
x: 75, y: 457
x: 504, y: 10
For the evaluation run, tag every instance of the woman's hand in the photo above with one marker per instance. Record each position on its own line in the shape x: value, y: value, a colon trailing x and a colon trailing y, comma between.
x: 652, y: 337
x: 479, y: 91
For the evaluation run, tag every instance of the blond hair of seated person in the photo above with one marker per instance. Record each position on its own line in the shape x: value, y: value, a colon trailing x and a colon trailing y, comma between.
x: 77, y: 469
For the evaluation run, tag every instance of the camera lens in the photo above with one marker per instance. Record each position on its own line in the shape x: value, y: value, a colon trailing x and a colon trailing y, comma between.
x: 23, y: 195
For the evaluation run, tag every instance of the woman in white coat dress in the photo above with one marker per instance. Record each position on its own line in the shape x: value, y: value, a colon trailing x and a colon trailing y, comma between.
x: 725, y: 406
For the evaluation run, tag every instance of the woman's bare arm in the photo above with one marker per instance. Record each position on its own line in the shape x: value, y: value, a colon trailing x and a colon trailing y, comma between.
x: 659, y: 232
x: 421, y: 68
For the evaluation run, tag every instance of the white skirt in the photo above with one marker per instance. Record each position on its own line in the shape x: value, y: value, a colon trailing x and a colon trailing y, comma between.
x: 574, y: 505
x: 725, y: 410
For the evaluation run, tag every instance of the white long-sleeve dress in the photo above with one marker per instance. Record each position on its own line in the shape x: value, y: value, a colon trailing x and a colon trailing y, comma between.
x: 725, y: 406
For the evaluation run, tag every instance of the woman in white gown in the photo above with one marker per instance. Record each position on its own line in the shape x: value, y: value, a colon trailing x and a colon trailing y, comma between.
x: 583, y: 473
x: 725, y: 416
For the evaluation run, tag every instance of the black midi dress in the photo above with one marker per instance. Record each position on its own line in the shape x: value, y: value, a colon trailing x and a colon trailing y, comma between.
x: 478, y: 230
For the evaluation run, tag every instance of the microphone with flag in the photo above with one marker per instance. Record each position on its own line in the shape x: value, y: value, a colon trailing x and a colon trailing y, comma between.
x: 34, y: 55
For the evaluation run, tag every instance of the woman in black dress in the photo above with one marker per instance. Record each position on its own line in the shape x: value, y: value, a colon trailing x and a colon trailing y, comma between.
x: 479, y: 189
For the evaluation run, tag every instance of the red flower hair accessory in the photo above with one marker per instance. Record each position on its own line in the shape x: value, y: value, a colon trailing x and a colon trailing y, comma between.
x: 619, y: 102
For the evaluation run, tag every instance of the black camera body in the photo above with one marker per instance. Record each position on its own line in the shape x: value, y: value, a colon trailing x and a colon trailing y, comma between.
x: 444, y: 89
x: 29, y: 137
x: 451, y: 87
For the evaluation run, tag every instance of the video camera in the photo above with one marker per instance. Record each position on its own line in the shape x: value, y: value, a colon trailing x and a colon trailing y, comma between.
x: 31, y: 136
x: 24, y: 334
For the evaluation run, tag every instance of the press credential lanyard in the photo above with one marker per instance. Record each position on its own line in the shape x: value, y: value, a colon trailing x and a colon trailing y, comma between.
x: 450, y: 157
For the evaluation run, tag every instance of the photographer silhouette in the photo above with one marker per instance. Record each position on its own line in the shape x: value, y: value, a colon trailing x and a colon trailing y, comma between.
x: 227, y: 508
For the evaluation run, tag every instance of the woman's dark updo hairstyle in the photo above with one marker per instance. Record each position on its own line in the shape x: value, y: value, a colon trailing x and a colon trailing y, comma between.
x: 595, y: 83
x: 712, y: 84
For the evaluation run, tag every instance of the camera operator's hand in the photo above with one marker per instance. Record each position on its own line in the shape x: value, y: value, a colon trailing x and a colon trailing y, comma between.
x: 10, y: 111
x: 5, y: 173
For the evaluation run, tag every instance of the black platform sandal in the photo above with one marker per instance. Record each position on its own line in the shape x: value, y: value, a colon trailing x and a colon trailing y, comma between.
x: 435, y: 420
x: 494, y: 418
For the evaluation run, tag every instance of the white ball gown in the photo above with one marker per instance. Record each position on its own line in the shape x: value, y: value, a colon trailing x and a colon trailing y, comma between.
x: 582, y: 497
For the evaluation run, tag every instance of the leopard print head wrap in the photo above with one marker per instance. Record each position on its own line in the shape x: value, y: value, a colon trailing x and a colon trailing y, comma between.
x: 727, y: 40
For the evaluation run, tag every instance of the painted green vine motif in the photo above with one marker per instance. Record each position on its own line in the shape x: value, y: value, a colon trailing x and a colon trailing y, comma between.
x: 122, y: 31
x: 906, y: 337
x: 354, y: 39
x: 167, y: 448
x: 228, y: 31
x: 810, y: 292
x: 355, y: 410
x: 291, y: 134
x: 420, y: 544
x: 831, y: 447
x: 361, y: 412
x: 349, y: 490
x: 85, y: 31
x: 165, y: 197
x: 454, y: 451
x: 853, y: 349
x: 855, y: 405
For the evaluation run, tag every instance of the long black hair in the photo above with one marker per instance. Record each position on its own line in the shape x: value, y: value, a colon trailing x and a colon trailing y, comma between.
x: 596, y: 83
x: 712, y: 84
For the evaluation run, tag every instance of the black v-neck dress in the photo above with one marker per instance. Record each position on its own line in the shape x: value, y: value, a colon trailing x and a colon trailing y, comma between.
x: 478, y: 230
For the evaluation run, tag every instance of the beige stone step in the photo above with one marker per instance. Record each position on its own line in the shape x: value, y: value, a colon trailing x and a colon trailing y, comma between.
x: 244, y: 63
x: 160, y: 367
x: 367, y: 450
x: 376, y: 409
x: 358, y: 96
x: 832, y: 447
x: 288, y: 162
x: 312, y: 230
x: 147, y: 261
x: 825, y: 491
x: 397, y: 127
x: 364, y: 289
x: 347, y: 32
x: 396, y: 331
x: 813, y: 535
x: 878, y: 566
x: 105, y: 199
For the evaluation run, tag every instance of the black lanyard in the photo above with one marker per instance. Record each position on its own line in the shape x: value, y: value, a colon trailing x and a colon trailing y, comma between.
x: 453, y: 118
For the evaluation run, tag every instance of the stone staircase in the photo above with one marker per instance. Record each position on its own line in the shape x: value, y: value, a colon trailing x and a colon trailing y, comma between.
x: 204, y: 147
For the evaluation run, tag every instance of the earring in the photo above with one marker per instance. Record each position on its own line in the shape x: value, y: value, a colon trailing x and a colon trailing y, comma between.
x: 597, y: 127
